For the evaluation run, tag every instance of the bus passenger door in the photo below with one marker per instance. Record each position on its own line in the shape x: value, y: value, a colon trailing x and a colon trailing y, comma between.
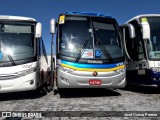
x: 134, y: 51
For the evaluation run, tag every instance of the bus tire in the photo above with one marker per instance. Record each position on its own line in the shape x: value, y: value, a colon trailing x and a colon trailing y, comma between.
x: 40, y: 91
x: 50, y: 85
x: 61, y: 91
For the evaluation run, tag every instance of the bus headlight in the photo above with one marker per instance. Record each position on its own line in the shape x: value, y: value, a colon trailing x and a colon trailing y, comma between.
x: 155, y: 69
x: 122, y: 70
x: 64, y: 69
x: 26, y: 72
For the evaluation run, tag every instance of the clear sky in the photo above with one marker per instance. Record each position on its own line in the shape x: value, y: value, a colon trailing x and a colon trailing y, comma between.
x: 44, y: 10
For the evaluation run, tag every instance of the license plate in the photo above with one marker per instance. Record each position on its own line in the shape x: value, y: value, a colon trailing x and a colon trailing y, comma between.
x: 95, y: 82
x: 141, y: 72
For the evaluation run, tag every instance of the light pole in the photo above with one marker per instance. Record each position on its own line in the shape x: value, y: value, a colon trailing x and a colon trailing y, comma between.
x: 52, y: 31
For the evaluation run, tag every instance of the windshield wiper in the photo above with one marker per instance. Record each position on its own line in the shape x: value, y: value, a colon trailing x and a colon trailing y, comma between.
x: 81, y: 53
x: 104, y: 50
x: 5, y: 50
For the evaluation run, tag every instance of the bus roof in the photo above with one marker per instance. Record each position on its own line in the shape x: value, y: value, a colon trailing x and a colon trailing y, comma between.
x: 144, y: 15
x: 19, y: 18
x: 87, y: 14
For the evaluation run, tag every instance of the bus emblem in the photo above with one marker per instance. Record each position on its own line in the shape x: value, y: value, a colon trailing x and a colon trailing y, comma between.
x: 95, y: 73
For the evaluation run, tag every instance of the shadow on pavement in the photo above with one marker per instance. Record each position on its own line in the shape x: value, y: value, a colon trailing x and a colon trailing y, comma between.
x: 21, y: 95
x: 75, y: 93
x: 14, y: 118
x: 144, y: 89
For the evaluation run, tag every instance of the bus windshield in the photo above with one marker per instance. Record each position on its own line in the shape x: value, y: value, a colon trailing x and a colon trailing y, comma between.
x: 17, y: 40
x: 153, y: 45
x: 106, y: 37
x: 93, y: 37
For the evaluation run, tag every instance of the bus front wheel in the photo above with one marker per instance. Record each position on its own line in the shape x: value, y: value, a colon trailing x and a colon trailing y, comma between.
x: 61, y: 91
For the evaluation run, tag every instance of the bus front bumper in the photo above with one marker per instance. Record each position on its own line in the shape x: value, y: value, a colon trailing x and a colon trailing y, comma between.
x: 24, y: 83
x: 67, y: 80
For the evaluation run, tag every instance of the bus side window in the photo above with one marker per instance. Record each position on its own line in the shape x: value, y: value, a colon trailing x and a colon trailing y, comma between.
x: 137, y: 47
x: 140, y: 47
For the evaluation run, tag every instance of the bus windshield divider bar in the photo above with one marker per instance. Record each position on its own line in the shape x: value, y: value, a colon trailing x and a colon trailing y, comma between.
x: 104, y: 50
x: 80, y: 53
x: 9, y: 56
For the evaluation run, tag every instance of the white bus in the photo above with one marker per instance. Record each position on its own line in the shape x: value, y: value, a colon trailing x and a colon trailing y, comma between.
x: 89, y: 53
x: 142, y: 47
x: 23, y: 60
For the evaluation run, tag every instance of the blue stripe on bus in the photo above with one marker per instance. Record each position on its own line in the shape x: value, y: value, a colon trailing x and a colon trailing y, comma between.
x: 88, y: 14
x: 79, y: 65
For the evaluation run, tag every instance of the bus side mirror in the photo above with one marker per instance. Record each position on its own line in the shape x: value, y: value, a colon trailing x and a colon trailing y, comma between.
x: 53, y: 26
x: 130, y: 28
x: 145, y: 30
x: 131, y: 31
x: 38, y: 30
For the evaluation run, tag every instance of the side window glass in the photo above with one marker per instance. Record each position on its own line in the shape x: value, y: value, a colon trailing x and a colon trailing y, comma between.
x: 140, y: 47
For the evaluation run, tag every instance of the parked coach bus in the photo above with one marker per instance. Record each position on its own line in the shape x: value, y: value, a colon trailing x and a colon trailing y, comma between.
x: 89, y: 53
x: 23, y: 60
x: 142, y: 47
